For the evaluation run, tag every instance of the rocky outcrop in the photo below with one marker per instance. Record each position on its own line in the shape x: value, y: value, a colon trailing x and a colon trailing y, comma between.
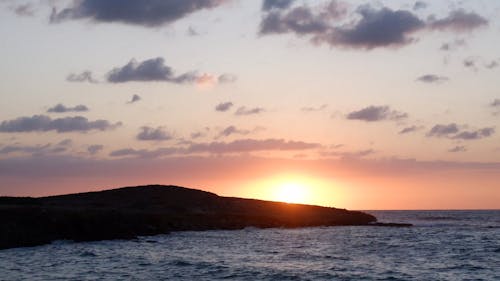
x: 129, y: 212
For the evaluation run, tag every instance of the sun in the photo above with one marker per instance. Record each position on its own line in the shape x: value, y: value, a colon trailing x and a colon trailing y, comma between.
x: 291, y: 192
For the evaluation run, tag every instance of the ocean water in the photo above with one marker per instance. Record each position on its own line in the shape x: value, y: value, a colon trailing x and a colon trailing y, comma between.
x: 443, y: 245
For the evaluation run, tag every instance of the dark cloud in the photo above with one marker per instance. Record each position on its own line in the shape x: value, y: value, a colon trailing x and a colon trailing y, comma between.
x: 311, y: 108
x: 408, y: 130
x: 276, y: 4
x: 376, y: 113
x: 441, y: 130
x: 375, y: 28
x: 224, y: 106
x: 475, y: 135
x: 60, y: 108
x: 432, y: 78
x: 456, y: 149
x: 372, y: 28
x: 94, y: 149
x: 43, y: 123
x: 149, y: 70
x: 85, y: 76
x: 232, y: 130
x: 134, y: 99
x: 227, y: 78
x: 148, y: 13
x: 458, y: 21
x: 495, y: 103
x: 419, y: 5
x: 153, y: 134
x: 243, y: 110
x: 453, y: 131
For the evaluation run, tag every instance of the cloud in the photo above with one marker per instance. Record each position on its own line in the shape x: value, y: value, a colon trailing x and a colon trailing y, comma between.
x: 85, y: 76
x: 432, y: 79
x: 441, y: 130
x: 232, y: 130
x: 355, y: 154
x: 453, y: 131
x: 149, y: 70
x: 419, y: 5
x: 192, y: 32
x: 153, y: 134
x: 60, y: 108
x: 371, y: 28
x: 450, y: 46
x: 43, y: 123
x: 94, y: 149
x: 144, y: 153
x: 134, y: 99
x: 459, y: 21
x: 312, y: 109
x: 243, y: 110
x: 495, y: 103
x: 374, y: 29
x: 227, y: 78
x: 376, y: 113
x: 250, y: 145
x: 408, y: 130
x: 456, y: 149
x: 237, y: 146
x: 148, y: 13
x: 475, y: 135
x: 276, y: 4
x: 37, y: 150
x: 224, y: 106
x: 491, y: 65
x: 24, y: 10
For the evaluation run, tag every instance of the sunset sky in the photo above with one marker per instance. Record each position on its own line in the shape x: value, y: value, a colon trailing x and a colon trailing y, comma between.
x: 352, y: 104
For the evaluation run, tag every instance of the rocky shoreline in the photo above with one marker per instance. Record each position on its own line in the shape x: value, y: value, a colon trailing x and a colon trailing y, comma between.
x: 126, y: 213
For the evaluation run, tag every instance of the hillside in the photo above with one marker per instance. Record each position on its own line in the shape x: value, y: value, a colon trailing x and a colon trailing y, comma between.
x: 129, y: 212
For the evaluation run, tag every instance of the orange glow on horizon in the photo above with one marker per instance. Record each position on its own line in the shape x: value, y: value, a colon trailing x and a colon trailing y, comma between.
x: 295, y: 189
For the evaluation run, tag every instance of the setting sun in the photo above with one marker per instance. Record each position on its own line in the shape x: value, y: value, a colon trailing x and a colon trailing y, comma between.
x: 291, y: 192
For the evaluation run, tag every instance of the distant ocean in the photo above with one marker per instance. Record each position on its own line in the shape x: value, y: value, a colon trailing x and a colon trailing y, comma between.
x: 443, y: 245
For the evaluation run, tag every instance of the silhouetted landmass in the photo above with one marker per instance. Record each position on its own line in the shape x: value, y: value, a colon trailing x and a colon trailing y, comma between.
x: 129, y: 212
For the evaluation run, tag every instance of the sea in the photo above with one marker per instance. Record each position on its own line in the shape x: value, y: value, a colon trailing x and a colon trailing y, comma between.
x: 442, y: 245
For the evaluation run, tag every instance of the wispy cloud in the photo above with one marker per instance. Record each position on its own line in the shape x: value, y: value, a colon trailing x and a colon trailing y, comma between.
x: 243, y: 110
x: 312, y: 108
x: 43, y: 123
x: 60, y: 108
x: 376, y: 113
x: 85, y: 76
x: 432, y: 79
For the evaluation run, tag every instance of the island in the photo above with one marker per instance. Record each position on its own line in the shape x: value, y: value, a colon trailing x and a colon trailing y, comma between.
x: 128, y: 212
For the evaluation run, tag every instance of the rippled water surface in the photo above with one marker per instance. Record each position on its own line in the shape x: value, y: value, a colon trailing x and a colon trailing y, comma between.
x: 443, y: 245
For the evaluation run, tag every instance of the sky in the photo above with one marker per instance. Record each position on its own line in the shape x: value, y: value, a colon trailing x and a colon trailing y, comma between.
x: 353, y: 104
